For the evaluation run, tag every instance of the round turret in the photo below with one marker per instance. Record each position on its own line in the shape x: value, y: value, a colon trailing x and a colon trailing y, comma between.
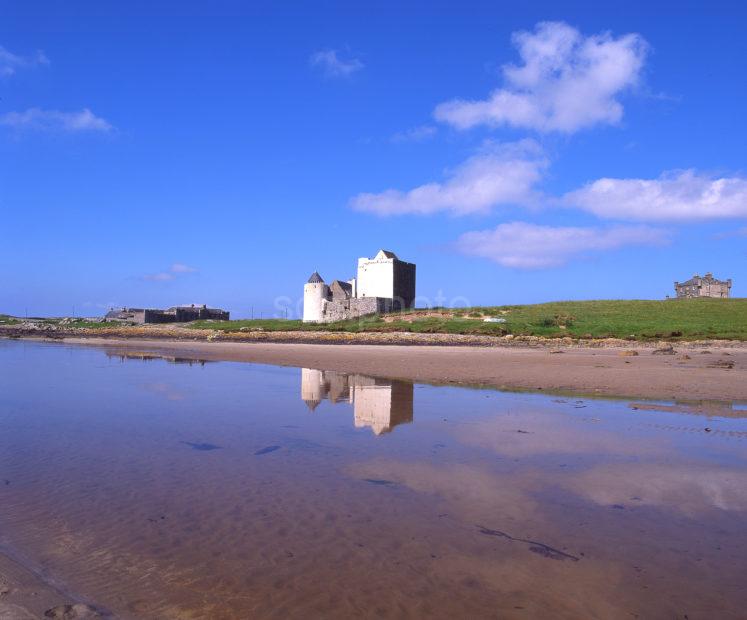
x: 315, y: 294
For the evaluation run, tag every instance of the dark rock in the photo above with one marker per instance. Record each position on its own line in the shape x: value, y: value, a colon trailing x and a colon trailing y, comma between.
x: 203, y: 447
x: 79, y: 611
x: 267, y: 450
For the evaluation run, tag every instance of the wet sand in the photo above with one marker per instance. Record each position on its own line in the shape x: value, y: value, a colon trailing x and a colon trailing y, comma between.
x: 159, y: 489
x: 693, y: 372
x: 26, y: 594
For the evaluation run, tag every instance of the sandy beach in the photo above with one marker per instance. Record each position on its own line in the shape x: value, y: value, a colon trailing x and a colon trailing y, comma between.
x: 689, y: 371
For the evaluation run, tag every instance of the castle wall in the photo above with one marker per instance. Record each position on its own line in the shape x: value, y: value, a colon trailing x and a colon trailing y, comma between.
x: 375, y: 277
x: 354, y: 308
x: 158, y: 316
x: 404, y: 285
x: 184, y: 314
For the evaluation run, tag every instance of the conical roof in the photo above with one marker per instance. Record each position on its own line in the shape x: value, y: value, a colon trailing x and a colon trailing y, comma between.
x: 316, y: 278
x: 386, y: 254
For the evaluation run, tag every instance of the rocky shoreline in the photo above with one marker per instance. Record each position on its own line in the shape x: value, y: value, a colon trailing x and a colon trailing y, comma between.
x: 59, y: 331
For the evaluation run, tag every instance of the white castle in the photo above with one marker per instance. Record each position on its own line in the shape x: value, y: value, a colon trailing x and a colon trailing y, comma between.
x: 384, y: 284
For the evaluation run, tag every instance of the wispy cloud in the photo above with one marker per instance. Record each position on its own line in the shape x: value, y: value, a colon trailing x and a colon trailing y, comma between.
x: 102, y: 305
x: 10, y: 62
x: 54, y: 120
x: 499, y: 174
x: 161, y: 276
x: 729, y: 234
x: 565, y: 82
x: 522, y: 245
x: 176, y: 270
x: 415, y: 134
x: 333, y: 66
x: 675, y: 196
x: 182, y: 268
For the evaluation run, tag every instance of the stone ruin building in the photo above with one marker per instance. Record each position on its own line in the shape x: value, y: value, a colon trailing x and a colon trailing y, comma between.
x: 705, y: 286
x: 175, y: 314
x: 383, y: 284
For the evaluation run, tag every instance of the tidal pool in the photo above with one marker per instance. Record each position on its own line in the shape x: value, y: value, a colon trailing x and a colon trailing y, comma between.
x: 170, y: 488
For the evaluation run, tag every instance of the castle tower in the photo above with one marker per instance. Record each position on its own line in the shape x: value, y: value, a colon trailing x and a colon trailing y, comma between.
x: 315, y: 295
x: 387, y: 276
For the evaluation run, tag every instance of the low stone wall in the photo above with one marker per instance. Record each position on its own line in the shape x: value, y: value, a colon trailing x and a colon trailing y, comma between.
x: 353, y: 308
x: 183, y: 315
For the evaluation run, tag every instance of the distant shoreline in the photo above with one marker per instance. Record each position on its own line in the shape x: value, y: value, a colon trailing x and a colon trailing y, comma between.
x: 178, y: 332
x: 584, y: 323
x: 711, y: 371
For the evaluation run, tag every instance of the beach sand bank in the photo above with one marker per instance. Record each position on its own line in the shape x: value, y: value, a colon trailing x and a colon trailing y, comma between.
x: 689, y: 372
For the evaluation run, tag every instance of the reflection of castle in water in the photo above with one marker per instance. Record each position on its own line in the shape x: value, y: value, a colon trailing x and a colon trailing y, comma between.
x: 145, y: 356
x: 381, y: 404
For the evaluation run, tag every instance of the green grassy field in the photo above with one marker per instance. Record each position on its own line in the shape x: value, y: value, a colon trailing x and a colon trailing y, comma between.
x: 632, y: 319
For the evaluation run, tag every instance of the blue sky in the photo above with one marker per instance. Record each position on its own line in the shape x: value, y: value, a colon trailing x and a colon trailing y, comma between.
x: 221, y: 152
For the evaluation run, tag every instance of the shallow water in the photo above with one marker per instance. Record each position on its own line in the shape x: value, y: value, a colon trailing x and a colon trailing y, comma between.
x: 161, y: 489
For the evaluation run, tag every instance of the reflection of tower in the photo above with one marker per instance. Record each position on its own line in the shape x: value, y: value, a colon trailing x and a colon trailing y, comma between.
x: 313, y: 387
x: 381, y: 404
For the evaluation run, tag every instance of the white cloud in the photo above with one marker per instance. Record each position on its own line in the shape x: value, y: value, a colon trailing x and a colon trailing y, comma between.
x: 182, y: 268
x: 566, y: 82
x: 674, y: 196
x: 502, y: 174
x: 530, y: 246
x: 700, y: 491
x: 740, y: 232
x: 54, y: 120
x: 176, y: 270
x: 334, y: 66
x: 10, y: 62
x: 162, y: 276
x: 415, y: 134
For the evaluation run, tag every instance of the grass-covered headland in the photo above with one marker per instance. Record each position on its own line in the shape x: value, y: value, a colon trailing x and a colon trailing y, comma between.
x: 682, y: 319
